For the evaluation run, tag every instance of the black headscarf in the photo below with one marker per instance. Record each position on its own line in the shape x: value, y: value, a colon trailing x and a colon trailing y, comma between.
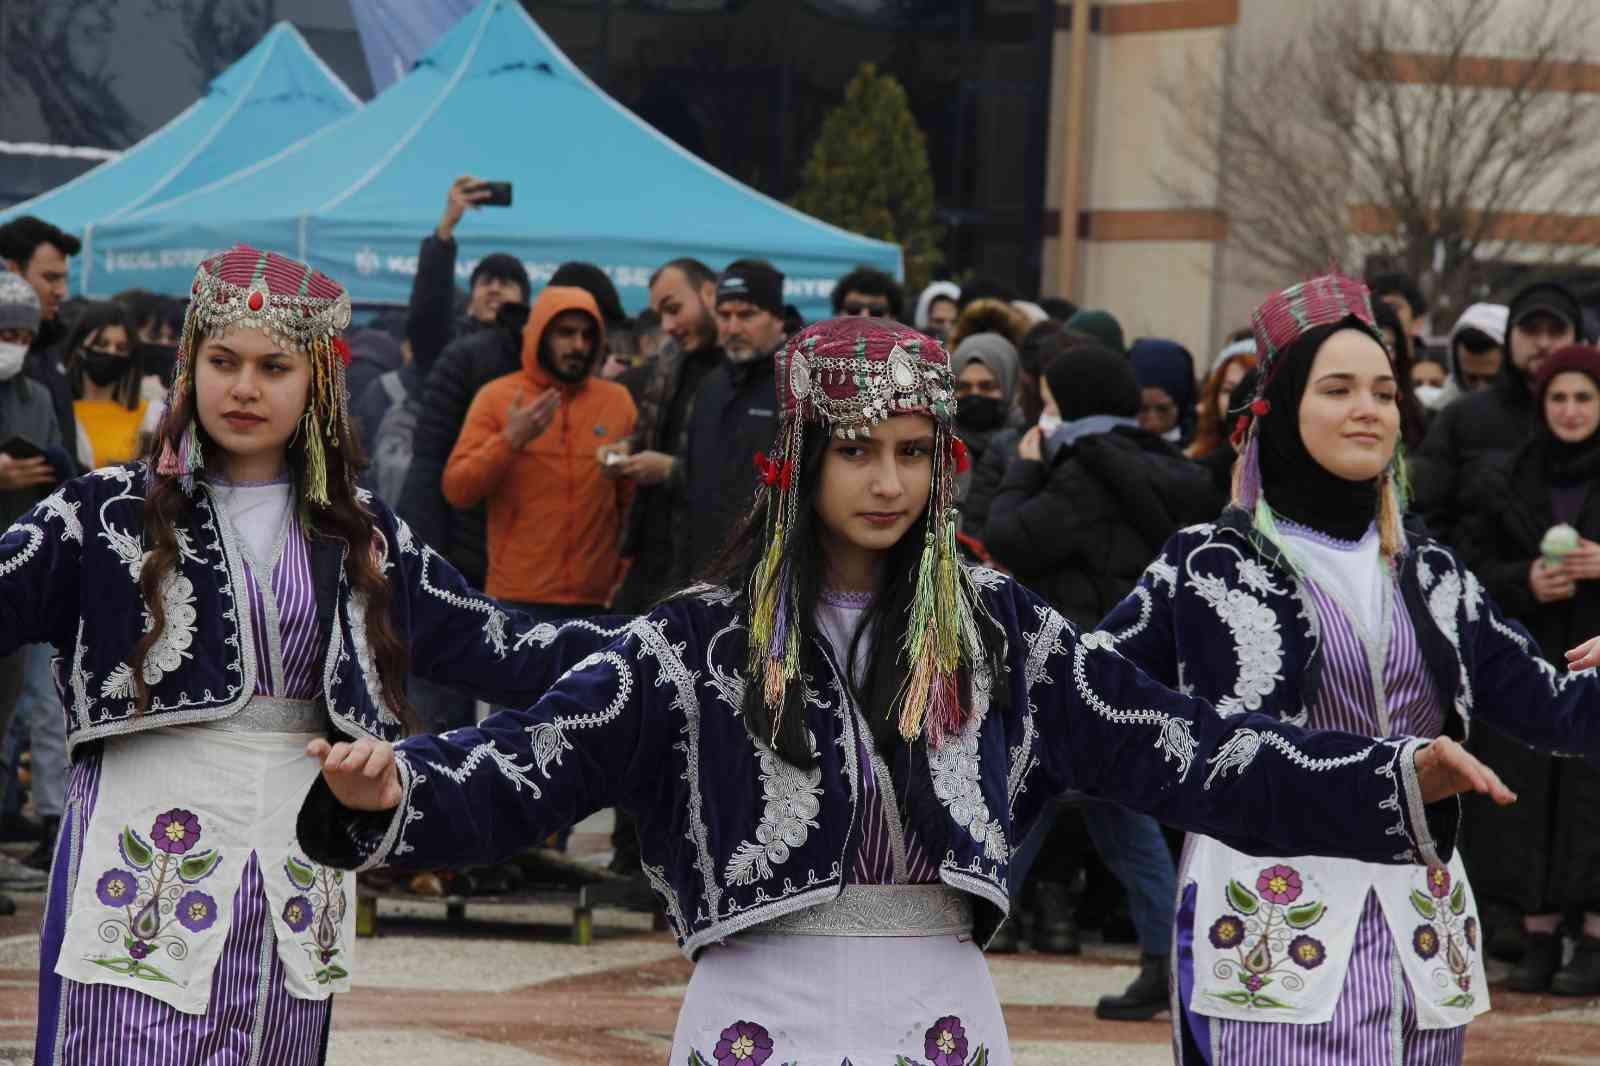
x: 1295, y: 485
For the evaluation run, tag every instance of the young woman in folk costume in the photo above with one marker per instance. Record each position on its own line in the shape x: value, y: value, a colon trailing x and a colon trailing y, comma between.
x: 831, y: 755
x: 1309, y: 601
x: 213, y: 613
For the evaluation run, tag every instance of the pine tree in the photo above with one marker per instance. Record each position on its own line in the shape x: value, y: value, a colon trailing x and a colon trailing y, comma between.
x: 868, y: 173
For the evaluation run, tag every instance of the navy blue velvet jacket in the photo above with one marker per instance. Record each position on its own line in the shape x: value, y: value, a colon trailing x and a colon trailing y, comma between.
x: 1222, y: 616
x: 732, y: 836
x: 69, y: 577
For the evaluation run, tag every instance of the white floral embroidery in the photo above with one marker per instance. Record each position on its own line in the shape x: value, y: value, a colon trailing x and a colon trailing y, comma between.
x: 550, y: 738
x: 494, y: 624
x: 713, y: 595
x: 1256, y: 577
x: 79, y: 680
x: 172, y: 646
x: 56, y: 505
x: 1161, y: 573
x: 1257, y: 643
x: 1237, y: 753
x: 1042, y: 643
x: 1173, y: 734
x: 657, y: 876
x: 357, y: 612
x: 792, y: 800
x: 507, y: 765
x: 404, y: 539
x: 987, y: 578
x: 957, y: 778
x: 35, y: 537
x: 728, y: 683
x: 119, y: 684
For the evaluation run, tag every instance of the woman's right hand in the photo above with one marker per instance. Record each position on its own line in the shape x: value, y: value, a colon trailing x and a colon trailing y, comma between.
x: 1550, y: 584
x: 362, y: 775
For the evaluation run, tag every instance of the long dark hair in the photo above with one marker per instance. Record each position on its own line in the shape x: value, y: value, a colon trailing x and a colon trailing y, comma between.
x: 883, y: 622
x: 95, y: 317
x: 168, y: 508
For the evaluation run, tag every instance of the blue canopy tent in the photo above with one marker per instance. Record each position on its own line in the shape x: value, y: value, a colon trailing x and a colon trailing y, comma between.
x: 273, y: 96
x: 495, y: 98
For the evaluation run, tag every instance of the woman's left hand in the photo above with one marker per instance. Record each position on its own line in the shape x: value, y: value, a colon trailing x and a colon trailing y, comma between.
x: 1445, y: 769
x: 1028, y: 446
x: 1584, y: 655
x: 1583, y: 562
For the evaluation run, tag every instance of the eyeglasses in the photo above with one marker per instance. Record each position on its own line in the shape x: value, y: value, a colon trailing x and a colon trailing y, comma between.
x: 856, y: 309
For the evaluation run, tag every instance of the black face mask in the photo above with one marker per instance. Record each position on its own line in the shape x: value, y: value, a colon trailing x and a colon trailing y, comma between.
x: 158, y: 359
x: 980, y: 414
x: 103, y: 368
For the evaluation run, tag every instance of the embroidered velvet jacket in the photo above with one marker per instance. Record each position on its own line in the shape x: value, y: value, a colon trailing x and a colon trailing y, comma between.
x: 69, y: 577
x: 1221, y: 615
x: 732, y: 836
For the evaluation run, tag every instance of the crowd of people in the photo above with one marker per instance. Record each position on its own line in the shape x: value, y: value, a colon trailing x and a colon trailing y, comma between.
x: 577, y: 464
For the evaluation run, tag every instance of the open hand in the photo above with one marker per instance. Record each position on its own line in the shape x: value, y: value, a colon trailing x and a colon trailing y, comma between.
x: 1445, y: 769
x: 1584, y: 655
x: 525, y: 421
x: 362, y: 775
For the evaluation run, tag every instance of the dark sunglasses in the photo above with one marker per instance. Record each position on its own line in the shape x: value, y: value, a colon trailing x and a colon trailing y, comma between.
x: 857, y: 310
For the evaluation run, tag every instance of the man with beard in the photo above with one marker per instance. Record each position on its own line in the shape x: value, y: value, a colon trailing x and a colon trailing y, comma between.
x: 527, y: 450
x: 1494, y: 422
x: 735, y: 413
x: 681, y: 295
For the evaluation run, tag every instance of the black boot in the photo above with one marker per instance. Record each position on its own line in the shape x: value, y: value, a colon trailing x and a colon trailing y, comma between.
x: 1581, y: 976
x: 1055, y: 923
x: 1142, y: 1000
x: 1539, y: 963
x: 44, y: 852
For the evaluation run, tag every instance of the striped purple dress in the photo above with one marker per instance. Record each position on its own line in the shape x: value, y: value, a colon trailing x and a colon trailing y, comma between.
x: 250, y: 1018
x: 1375, y: 1021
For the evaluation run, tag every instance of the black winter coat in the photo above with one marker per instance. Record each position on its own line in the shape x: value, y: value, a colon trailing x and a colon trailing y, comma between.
x: 1477, y: 430
x: 431, y: 319
x: 464, y: 367
x: 1081, y: 530
x: 735, y: 416
x: 988, y: 470
x: 1542, y: 854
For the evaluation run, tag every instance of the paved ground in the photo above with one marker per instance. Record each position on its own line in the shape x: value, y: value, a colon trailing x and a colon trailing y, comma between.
x: 506, y: 988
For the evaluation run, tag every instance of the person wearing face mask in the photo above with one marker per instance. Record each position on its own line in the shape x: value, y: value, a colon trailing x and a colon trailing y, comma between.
x: 1531, y: 531
x: 1086, y: 503
x: 109, y: 404
x: 1430, y: 383
x: 1485, y: 425
x: 986, y: 367
x: 1312, y: 600
x: 527, y: 450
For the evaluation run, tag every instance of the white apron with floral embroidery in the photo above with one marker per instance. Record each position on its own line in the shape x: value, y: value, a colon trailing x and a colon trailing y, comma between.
x: 1272, y: 937
x: 178, y: 814
x: 826, y: 1000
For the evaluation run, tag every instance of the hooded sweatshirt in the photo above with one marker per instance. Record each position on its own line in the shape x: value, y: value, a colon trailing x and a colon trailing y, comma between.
x: 555, y: 520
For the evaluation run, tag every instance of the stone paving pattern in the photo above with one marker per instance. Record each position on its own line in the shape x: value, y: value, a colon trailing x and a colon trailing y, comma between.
x: 505, y: 987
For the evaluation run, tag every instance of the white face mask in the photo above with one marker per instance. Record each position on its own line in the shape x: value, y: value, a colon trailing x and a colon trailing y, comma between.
x: 1049, y: 423
x: 11, y: 357
x: 1430, y: 396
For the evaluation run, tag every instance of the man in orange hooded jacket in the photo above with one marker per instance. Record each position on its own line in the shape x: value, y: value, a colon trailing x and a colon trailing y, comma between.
x: 529, y: 448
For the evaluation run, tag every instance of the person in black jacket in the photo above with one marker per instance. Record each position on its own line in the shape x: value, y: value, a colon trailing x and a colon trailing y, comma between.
x: 1496, y: 421
x: 735, y: 414
x: 433, y: 320
x: 1541, y: 858
x: 1086, y: 504
x: 39, y: 252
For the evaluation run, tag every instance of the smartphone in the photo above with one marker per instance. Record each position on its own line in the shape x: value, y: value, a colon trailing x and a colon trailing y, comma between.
x: 21, y: 448
x: 499, y: 194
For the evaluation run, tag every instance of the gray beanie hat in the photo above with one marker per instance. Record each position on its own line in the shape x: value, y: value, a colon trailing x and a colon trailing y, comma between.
x: 19, y: 304
x: 994, y: 352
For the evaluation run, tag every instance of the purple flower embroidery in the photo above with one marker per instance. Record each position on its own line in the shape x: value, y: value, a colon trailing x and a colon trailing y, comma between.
x: 1470, y: 928
x: 1438, y: 881
x: 1227, y: 932
x: 1425, y: 941
x: 1279, y: 884
x: 197, y: 911
x: 176, y: 831
x: 743, y: 1044
x: 138, y: 949
x: 116, y: 888
x: 945, y: 1043
x: 297, y: 913
x: 1254, y: 982
x: 1307, y: 952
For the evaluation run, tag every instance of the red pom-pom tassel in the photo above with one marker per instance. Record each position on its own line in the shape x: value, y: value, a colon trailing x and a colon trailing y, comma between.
x: 343, y: 349
x: 960, y: 455
x: 1261, y: 407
